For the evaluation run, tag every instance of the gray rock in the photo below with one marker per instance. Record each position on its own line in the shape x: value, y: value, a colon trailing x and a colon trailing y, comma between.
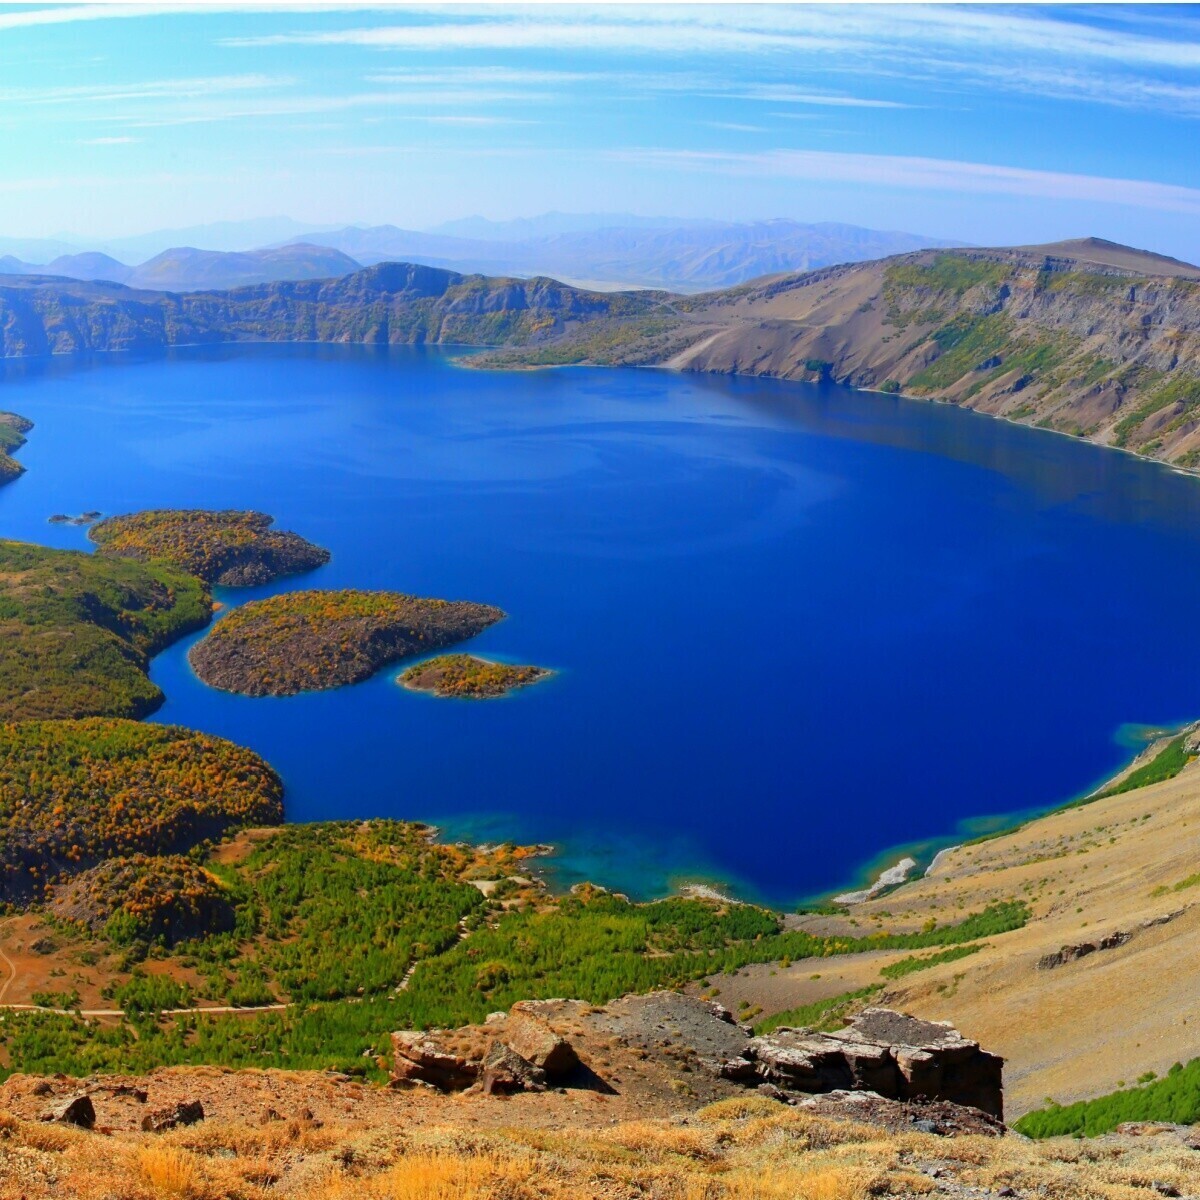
x: 73, y: 1110
x: 504, y: 1070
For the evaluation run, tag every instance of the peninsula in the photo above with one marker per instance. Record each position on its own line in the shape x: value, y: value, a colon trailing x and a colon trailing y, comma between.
x: 13, y: 429
x: 77, y: 630
x: 313, y: 640
x: 230, y: 547
x: 467, y: 677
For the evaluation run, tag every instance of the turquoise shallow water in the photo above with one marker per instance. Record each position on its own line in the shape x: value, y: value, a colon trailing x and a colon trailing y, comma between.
x: 794, y: 625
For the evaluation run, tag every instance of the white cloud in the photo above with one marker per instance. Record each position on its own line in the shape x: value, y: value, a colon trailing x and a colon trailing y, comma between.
x: 108, y: 141
x: 928, y: 174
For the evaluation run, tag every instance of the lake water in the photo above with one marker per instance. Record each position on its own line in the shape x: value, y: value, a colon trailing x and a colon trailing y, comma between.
x: 795, y: 626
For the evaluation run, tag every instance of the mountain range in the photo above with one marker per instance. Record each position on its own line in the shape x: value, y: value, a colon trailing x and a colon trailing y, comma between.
x: 680, y: 256
x: 187, y: 269
x: 605, y: 251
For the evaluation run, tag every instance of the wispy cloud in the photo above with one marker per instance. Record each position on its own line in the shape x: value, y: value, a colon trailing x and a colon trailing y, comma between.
x: 842, y: 28
x: 107, y: 141
x: 786, y: 93
x: 1058, y: 54
x: 160, y: 89
x: 734, y: 127
x: 928, y: 174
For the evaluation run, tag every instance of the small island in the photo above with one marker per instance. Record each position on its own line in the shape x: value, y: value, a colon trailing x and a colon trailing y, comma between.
x: 313, y: 640
x: 470, y: 678
x: 229, y: 547
x: 84, y: 518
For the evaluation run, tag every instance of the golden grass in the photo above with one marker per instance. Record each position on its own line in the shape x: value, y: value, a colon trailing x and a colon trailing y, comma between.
x: 747, y: 1149
x: 171, y: 1172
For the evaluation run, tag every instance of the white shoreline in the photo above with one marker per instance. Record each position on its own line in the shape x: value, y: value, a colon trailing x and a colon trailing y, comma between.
x: 892, y: 877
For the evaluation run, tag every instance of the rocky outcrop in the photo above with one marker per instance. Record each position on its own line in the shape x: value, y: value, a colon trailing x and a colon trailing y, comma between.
x: 1110, y: 941
x: 887, y: 1054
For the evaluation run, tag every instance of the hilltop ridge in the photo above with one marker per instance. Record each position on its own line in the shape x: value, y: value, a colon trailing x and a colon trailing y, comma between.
x: 1084, y: 337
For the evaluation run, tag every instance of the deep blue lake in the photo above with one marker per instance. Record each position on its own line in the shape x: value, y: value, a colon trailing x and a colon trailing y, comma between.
x: 795, y: 626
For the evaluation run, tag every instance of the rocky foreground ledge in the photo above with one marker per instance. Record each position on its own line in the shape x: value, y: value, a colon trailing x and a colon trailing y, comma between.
x: 884, y: 1055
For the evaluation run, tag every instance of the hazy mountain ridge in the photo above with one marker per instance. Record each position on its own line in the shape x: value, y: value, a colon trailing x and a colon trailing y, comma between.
x: 186, y: 268
x: 680, y: 256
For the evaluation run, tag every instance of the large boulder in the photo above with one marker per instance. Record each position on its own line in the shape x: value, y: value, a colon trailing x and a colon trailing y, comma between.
x: 529, y: 1035
x: 421, y: 1058
x: 890, y: 1053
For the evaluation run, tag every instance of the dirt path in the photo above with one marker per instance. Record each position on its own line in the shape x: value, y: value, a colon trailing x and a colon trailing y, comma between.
x: 12, y: 973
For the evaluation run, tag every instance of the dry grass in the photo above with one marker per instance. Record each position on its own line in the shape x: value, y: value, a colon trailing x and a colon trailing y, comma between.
x: 750, y: 1149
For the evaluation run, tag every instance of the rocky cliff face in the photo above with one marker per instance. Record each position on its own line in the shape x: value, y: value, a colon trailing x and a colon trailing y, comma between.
x: 389, y: 303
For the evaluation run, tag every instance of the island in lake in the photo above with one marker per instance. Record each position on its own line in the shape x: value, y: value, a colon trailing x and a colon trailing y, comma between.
x: 468, y: 677
x: 313, y: 640
x: 229, y: 547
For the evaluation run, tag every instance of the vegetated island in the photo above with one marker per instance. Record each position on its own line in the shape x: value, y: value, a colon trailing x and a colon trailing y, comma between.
x: 228, y: 547
x: 312, y: 640
x: 468, y: 677
x: 13, y: 429
x: 73, y: 793
x: 77, y: 631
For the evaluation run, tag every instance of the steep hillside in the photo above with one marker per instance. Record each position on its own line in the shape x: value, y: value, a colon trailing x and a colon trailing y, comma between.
x: 1086, y: 338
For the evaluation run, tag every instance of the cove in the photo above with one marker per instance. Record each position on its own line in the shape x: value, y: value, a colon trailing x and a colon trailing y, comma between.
x: 792, y: 625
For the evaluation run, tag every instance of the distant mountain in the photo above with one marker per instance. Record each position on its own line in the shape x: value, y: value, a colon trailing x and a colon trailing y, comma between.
x: 683, y: 256
x: 218, y: 235
x: 34, y: 249
x: 89, y: 265
x: 186, y: 269
x: 551, y: 224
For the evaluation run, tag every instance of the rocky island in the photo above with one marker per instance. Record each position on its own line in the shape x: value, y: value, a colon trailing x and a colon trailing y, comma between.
x: 313, y: 640
x: 472, y: 678
x: 229, y: 547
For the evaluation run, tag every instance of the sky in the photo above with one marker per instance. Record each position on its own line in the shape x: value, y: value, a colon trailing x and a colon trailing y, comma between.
x: 984, y: 124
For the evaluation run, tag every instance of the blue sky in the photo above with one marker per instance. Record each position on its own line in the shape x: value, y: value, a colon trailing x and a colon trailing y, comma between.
x: 989, y: 124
